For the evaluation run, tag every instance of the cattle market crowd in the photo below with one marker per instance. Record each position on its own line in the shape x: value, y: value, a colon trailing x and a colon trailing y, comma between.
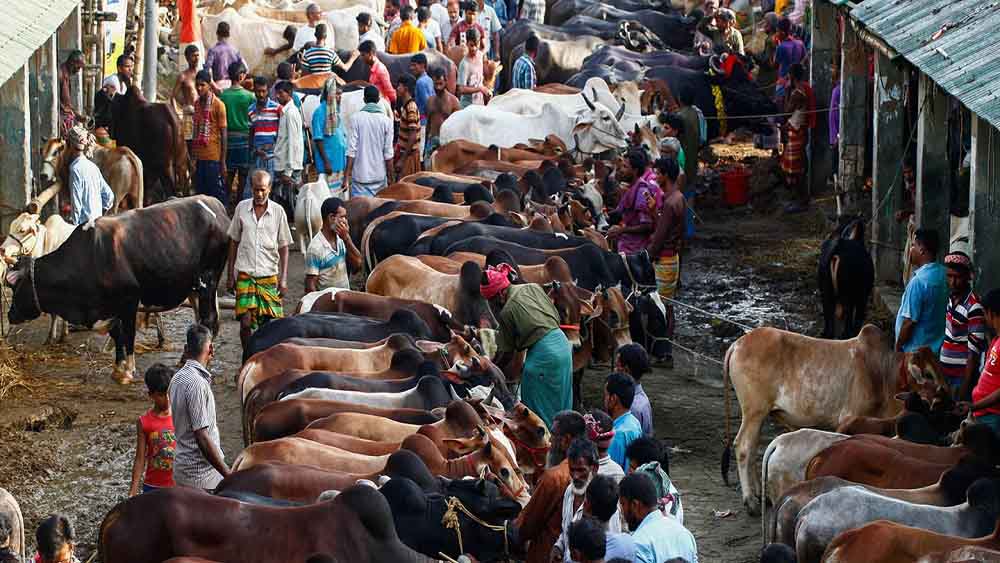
x: 490, y: 197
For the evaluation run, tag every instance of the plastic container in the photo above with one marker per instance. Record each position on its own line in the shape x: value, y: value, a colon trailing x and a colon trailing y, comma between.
x: 736, y: 186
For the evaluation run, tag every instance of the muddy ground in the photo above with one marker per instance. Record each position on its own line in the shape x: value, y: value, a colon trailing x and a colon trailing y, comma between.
x: 67, y: 432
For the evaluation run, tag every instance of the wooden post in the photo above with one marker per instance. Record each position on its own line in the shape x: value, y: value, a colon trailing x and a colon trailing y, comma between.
x: 854, y: 101
x: 888, y: 153
x: 43, y: 83
x: 933, y: 201
x: 825, y: 33
x: 15, y: 143
x: 984, y: 205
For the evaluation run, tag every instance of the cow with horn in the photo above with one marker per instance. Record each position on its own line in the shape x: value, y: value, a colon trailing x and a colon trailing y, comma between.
x: 107, y: 267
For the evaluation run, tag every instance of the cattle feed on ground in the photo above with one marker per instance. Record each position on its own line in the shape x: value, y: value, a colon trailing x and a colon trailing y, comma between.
x: 488, y: 264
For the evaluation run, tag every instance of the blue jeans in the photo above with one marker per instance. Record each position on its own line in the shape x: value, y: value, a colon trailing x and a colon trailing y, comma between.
x: 149, y: 488
x: 208, y: 180
x: 991, y: 420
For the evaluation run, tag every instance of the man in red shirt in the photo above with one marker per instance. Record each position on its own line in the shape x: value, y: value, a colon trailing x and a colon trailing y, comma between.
x: 379, y: 75
x: 985, y: 404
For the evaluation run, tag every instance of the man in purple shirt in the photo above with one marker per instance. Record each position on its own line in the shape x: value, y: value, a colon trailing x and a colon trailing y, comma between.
x: 221, y: 56
x: 790, y: 51
x: 636, y: 225
x: 834, y: 124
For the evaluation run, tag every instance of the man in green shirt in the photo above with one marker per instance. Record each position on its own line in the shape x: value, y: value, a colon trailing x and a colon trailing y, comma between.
x: 529, y: 321
x: 237, y: 100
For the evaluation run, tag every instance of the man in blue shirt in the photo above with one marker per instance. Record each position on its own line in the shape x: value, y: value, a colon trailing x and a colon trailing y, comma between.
x: 619, y: 391
x: 425, y: 85
x: 657, y: 538
x: 89, y: 191
x: 921, y: 318
x: 523, y: 74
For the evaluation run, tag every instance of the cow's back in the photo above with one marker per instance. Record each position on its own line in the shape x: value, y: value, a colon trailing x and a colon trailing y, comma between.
x: 804, y: 381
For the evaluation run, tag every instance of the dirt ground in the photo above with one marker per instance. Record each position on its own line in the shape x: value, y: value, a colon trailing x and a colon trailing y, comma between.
x: 67, y: 432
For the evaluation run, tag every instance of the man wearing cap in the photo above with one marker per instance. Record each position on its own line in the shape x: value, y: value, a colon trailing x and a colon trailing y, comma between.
x: 964, y: 328
x: 90, y: 194
x: 529, y: 321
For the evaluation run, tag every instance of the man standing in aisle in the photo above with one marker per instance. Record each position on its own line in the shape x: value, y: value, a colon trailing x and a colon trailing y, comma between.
x: 523, y: 74
x: 198, y: 458
x: 265, y: 115
x: 378, y: 76
x: 221, y: 57
x: 439, y: 107
x: 619, y: 390
x: 367, y: 33
x: 331, y: 251
x: 369, y: 148
x: 67, y: 109
x: 288, y: 147
x: 408, y: 38
x: 209, y: 145
x: 965, y: 338
x: 258, y: 257
x: 921, y: 318
x: 237, y: 100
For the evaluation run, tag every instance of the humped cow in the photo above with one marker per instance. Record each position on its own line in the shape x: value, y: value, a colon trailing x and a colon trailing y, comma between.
x: 592, y: 132
x: 153, y: 132
x: 801, y: 380
x: 120, y: 167
x: 106, y: 268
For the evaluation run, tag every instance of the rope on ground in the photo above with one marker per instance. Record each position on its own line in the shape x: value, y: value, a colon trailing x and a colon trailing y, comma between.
x: 675, y: 344
x: 704, y: 312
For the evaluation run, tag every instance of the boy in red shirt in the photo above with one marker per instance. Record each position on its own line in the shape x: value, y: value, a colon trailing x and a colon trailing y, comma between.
x: 985, y: 404
x: 155, y: 443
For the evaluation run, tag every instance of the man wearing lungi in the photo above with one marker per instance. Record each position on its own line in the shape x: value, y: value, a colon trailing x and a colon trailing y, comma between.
x: 800, y: 103
x: 529, y: 321
x: 258, y: 257
x: 665, y: 245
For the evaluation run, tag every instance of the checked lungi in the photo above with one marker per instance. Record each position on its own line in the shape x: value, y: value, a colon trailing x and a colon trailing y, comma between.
x: 668, y: 270
x: 258, y: 298
x: 793, y: 161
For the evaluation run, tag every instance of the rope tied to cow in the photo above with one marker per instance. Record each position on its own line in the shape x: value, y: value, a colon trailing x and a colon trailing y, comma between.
x: 451, y: 521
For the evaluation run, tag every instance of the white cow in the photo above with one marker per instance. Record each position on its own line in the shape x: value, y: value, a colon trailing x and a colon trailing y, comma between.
x: 252, y: 31
x: 624, y: 101
x: 593, y: 131
x: 308, y: 220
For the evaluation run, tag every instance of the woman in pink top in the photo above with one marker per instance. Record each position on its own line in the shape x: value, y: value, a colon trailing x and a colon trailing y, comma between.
x: 985, y: 404
x: 636, y: 225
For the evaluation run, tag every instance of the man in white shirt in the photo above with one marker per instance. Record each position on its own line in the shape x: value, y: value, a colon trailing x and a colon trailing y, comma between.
x: 583, y: 469
x: 307, y: 33
x: 258, y: 257
x: 439, y: 13
x: 452, y: 14
x: 89, y: 191
x: 289, y: 148
x: 488, y: 19
x: 369, y: 148
x: 331, y: 251
x: 367, y: 32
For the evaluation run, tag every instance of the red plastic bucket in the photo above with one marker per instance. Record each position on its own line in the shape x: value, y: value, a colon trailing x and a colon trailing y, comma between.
x: 735, y: 186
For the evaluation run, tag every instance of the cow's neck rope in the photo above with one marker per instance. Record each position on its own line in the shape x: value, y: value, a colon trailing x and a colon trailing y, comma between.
x: 451, y: 521
x: 533, y: 451
x: 20, y: 243
x: 636, y: 286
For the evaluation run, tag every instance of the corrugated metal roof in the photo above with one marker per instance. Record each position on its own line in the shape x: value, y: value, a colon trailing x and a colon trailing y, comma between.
x: 29, y: 24
x: 954, y: 42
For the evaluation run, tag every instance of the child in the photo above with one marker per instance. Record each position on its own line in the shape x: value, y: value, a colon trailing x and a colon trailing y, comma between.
x: 154, y: 450
x: 633, y: 360
x: 56, y: 541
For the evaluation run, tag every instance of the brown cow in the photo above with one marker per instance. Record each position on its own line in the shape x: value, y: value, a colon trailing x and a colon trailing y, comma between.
x: 803, y: 381
x: 406, y: 277
x: 285, y: 418
x: 338, y: 300
x: 280, y: 357
x: 888, y: 542
x: 120, y: 167
x: 453, y: 156
x: 460, y: 421
x: 867, y: 462
x: 402, y: 190
x: 349, y: 443
x: 185, y: 521
x: 968, y: 554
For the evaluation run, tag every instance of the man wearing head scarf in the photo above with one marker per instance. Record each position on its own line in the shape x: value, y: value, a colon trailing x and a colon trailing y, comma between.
x: 600, y: 431
x: 529, y: 321
x: 329, y: 137
x: 721, y: 29
x: 89, y: 193
x: 964, y: 328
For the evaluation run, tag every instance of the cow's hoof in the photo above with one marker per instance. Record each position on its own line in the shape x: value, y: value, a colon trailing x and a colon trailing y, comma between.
x: 123, y: 377
x: 752, y: 507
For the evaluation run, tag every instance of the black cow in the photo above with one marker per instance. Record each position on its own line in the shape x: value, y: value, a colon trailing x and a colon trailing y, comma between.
x: 612, y: 55
x: 562, y: 10
x: 846, y: 276
x: 532, y: 239
x: 105, y: 271
x: 397, y: 235
x: 473, y: 191
x: 336, y: 325
x: 648, y: 324
x: 412, y: 365
x: 418, y: 516
x: 676, y: 31
x: 558, y: 60
x: 591, y: 266
x: 259, y: 500
x: 153, y: 132
x: 515, y: 34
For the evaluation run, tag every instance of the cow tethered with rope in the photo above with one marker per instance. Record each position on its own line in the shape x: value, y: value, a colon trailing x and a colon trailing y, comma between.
x: 809, y: 382
x: 107, y: 267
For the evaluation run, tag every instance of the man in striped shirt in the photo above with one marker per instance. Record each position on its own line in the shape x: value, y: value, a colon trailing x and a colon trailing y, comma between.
x: 198, y: 457
x: 533, y: 10
x: 965, y: 328
x: 523, y: 73
x: 265, y: 114
x: 321, y: 58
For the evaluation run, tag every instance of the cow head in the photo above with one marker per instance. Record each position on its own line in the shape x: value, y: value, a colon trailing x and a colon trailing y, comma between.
x: 483, y: 499
x: 644, y: 137
x: 24, y: 239
x: 496, y: 463
x: 597, y: 130
x: 473, y: 308
x: 921, y: 372
x: 531, y: 438
x: 613, y: 324
x: 466, y: 445
x: 52, y: 162
x: 24, y: 305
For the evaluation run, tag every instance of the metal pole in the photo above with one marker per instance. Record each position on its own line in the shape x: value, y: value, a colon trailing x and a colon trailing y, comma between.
x: 150, y: 44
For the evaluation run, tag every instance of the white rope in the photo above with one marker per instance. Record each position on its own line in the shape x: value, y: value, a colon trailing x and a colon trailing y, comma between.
x: 704, y: 312
x: 692, y: 352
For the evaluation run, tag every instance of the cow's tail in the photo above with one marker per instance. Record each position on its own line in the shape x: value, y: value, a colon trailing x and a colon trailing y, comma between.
x: 366, y: 245
x: 137, y: 189
x: 102, y: 537
x: 241, y: 379
x: 308, y: 204
x: 767, y: 525
x: 727, y: 452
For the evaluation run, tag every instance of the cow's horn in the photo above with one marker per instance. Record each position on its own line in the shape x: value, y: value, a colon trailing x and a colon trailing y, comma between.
x: 589, y: 103
x: 35, y: 205
x: 621, y: 113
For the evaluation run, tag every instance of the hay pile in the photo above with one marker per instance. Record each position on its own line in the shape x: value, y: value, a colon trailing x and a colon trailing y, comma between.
x: 11, y: 374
